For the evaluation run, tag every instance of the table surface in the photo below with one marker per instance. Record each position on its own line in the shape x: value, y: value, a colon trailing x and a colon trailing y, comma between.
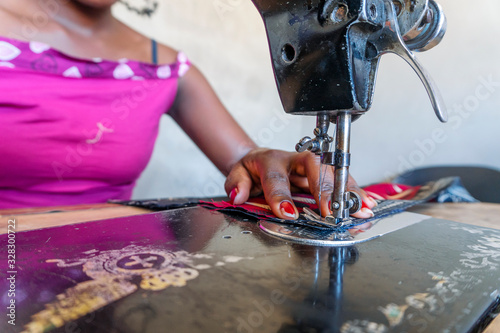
x: 479, y: 214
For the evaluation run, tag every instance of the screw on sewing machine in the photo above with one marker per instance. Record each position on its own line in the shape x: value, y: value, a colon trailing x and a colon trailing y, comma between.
x: 332, y: 12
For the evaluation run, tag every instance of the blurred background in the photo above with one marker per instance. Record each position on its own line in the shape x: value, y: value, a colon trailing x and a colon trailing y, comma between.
x: 226, y: 40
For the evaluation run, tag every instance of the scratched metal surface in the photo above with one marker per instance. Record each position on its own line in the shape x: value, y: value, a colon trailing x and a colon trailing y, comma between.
x: 194, y: 270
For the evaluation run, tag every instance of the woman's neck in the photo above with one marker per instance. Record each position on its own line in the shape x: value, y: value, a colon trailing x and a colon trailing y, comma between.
x: 82, y: 19
x: 71, y: 15
x: 72, y: 28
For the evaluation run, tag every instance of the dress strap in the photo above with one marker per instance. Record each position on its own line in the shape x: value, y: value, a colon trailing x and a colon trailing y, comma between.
x: 154, y: 52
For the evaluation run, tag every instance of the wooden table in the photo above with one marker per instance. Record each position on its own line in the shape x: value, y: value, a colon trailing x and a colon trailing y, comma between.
x: 479, y: 214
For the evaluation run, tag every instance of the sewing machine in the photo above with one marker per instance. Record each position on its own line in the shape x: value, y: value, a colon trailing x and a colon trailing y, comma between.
x: 325, y: 55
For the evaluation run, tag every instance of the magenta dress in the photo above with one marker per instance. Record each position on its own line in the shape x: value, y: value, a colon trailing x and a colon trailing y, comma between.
x: 76, y: 131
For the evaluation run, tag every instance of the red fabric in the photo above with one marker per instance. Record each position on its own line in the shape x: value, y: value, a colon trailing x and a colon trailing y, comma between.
x: 259, y: 206
x: 389, y: 191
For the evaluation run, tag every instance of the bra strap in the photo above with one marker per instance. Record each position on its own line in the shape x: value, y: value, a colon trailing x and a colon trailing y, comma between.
x: 154, y: 51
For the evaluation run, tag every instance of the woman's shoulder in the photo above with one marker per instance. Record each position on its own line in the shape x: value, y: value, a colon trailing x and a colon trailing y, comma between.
x: 164, y: 54
x: 167, y: 54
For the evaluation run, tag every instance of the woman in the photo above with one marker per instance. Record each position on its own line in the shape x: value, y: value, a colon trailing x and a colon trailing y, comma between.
x: 80, y: 129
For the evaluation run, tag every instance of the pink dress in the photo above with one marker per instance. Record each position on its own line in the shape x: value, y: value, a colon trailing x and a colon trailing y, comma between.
x: 76, y: 131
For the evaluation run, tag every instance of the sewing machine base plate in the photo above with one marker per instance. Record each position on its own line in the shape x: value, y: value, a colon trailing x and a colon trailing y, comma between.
x: 359, y: 234
x: 196, y: 270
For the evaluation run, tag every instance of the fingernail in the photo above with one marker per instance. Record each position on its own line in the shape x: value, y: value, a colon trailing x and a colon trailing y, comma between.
x: 364, y: 205
x: 367, y: 211
x: 373, y: 201
x: 287, y: 209
x: 233, y: 194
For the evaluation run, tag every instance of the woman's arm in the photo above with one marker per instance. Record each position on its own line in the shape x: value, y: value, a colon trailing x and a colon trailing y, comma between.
x: 200, y: 113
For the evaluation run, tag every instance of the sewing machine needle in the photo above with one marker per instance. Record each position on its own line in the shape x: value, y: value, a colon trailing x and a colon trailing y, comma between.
x: 322, y: 175
x: 320, y: 186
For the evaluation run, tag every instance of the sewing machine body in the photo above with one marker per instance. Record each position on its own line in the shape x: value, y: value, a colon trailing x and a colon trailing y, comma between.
x: 325, y: 54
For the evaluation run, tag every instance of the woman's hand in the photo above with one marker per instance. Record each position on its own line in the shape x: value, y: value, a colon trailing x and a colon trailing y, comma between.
x: 276, y: 173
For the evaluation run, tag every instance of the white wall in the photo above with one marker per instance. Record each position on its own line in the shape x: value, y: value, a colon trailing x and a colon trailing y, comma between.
x: 226, y: 40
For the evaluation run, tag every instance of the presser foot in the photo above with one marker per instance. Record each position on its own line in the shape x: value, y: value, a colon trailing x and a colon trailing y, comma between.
x: 352, y: 204
x: 328, y: 221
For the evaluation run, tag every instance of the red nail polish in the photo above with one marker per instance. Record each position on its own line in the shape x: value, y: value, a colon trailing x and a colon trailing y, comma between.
x: 364, y: 205
x: 233, y: 194
x: 286, y: 208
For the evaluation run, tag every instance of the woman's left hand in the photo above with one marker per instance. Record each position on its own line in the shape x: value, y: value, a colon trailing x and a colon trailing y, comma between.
x: 276, y: 173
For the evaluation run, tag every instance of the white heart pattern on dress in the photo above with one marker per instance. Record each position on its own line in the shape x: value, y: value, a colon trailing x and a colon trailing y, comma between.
x: 8, y: 51
x: 181, y: 57
x: 72, y: 72
x: 183, y: 68
x: 164, y: 72
x: 6, y: 64
x: 122, y: 72
x: 38, y: 47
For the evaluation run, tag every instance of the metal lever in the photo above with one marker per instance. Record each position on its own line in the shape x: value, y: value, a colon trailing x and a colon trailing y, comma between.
x: 389, y: 40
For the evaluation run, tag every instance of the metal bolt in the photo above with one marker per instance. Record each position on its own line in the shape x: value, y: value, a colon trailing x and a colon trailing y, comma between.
x: 340, y: 13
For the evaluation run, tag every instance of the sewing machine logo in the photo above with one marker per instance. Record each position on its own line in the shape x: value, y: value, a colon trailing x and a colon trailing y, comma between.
x: 116, y: 274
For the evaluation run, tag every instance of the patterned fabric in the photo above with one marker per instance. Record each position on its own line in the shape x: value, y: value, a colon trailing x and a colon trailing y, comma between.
x: 391, y: 199
x: 77, y: 131
x: 453, y: 191
x: 40, y: 57
x: 256, y: 208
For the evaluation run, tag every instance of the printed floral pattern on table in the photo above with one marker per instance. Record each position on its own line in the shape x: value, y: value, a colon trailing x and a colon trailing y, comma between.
x: 115, y: 274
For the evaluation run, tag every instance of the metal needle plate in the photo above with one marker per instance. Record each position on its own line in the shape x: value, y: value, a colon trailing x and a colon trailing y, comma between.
x: 358, y: 234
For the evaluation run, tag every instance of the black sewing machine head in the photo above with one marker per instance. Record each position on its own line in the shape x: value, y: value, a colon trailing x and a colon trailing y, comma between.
x: 325, y: 53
